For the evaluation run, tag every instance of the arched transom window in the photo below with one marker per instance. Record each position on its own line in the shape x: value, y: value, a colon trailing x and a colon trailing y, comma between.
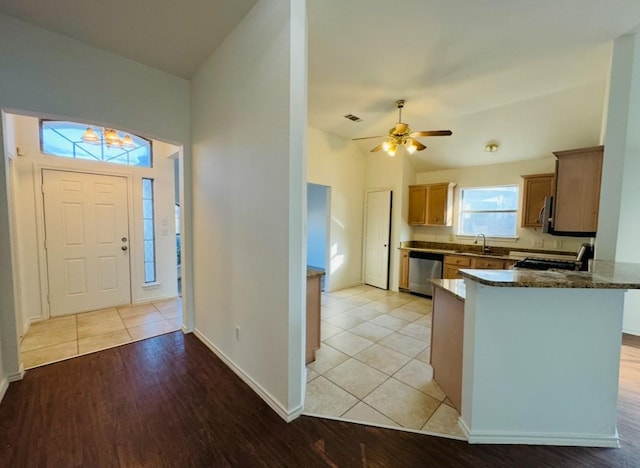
x: 91, y: 142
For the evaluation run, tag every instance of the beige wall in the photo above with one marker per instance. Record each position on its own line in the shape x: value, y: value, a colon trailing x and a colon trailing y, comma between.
x: 31, y: 263
x: 248, y: 114
x: 340, y: 164
x: 497, y: 174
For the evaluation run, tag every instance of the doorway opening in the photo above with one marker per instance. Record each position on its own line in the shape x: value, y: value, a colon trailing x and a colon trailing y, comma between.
x: 318, y: 229
x: 84, y: 230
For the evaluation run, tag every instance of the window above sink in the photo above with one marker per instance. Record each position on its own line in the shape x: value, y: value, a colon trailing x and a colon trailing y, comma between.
x: 491, y: 211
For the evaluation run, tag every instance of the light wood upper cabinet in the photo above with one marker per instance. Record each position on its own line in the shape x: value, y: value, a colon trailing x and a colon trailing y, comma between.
x: 417, y: 204
x: 437, y: 209
x: 430, y: 204
x: 403, y: 281
x: 577, y: 197
x: 536, y: 188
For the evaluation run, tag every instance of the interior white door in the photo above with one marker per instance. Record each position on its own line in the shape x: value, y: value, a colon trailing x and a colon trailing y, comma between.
x: 377, y: 238
x: 87, y: 241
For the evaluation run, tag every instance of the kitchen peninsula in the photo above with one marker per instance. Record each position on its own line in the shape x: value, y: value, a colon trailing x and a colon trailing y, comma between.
x: 541, y: 353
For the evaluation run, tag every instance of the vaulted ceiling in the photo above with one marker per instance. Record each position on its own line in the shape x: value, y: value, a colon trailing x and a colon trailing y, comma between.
x: 529, y: 75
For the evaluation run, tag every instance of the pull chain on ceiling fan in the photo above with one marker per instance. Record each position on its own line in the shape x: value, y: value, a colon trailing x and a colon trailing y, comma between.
x: 401, y: 135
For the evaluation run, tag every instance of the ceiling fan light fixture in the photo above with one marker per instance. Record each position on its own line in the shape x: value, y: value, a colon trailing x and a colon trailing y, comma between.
x: 391, y: 151
x: 402, y: 135
x: 410, y: 145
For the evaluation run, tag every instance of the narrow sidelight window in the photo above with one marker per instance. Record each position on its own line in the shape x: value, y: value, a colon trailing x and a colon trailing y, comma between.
x: 148, y: 231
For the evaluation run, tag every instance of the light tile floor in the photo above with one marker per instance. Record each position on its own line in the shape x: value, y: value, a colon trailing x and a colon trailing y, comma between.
x: 373, y: 364
x: 72, y: 335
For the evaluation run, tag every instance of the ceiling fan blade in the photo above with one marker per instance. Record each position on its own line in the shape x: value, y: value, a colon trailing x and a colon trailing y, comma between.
x: 377, y: 148
x: 427, y: 133
x: 419, y: 146
x: 367, y: 138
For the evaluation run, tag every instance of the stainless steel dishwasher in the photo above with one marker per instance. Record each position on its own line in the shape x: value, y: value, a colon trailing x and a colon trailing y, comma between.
x: 424, y: 266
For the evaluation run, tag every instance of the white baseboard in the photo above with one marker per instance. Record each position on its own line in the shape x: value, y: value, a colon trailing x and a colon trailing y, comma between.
x: 575, y: 440
x: 16, y: 375
x: 4, y: 385
x: 338, y: 287
x: 287, y: 415
x: 30, y: 321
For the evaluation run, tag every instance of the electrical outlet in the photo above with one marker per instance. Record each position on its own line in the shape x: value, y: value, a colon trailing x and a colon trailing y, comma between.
x: 557, y: 244
x: 238, y: 333
x: 537, y: 243
x: 451, y: 237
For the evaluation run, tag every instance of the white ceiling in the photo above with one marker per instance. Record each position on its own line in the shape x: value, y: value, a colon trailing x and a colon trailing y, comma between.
x: 170, y: 35
x: 529, y: 75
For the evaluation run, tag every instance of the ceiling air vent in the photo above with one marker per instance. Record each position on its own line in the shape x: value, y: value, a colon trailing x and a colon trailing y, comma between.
x: 353, y: 118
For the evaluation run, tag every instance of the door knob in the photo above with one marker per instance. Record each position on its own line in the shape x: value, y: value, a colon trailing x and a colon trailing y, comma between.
x: 124, y: 247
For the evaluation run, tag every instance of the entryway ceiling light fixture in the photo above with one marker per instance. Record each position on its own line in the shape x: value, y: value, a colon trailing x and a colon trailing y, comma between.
x: 110, y: 136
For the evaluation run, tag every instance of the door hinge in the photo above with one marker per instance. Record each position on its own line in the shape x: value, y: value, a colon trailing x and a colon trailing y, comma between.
x: 48, y: 299
x: 45, y: 244
x: 42, y: 188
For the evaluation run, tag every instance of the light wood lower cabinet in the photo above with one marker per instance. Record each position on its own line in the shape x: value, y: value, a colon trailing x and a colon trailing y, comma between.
x: 454, y: 263
x: 446, y: 344
x: 403, y: 281
x: 313, y: 317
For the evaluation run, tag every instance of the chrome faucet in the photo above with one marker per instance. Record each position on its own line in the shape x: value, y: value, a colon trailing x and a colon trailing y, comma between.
x: 485, y: 249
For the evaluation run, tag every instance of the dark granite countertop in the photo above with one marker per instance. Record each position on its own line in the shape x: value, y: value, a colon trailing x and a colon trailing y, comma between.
x: 472, y: 250
x: 312, y: 272
x: 452, y: 286
x: 604, y: 275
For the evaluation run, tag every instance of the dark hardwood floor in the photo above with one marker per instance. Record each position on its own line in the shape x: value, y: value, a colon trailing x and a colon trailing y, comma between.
x: 168, y: 401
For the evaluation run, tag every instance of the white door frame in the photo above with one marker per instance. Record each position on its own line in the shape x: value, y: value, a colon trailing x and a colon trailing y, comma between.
x: 364, y: 234
x: 16, y: 311
x: 327, y: 273
x: 40, y: 225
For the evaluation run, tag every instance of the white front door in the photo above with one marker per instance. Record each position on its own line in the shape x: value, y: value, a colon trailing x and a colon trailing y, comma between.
x: 376, y: 241
x: 87, y: 241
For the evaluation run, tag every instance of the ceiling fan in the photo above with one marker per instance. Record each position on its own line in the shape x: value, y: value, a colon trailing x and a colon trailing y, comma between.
x: 401, y: 135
